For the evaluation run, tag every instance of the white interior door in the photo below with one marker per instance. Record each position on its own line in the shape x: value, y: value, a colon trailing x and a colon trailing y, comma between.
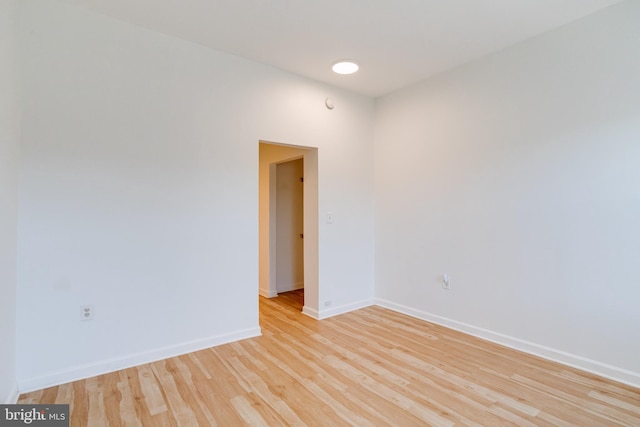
x: 289, y: 226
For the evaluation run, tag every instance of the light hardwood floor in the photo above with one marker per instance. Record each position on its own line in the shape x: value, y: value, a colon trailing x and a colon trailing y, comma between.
x: 372, y: 367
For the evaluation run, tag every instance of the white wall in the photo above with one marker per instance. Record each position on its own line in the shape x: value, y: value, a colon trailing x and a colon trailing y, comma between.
x: 139, y: 192
x: 9, y: 155
x: 519, y: 176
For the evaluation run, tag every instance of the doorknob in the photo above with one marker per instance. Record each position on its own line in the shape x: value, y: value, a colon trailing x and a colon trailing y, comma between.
x: 301, y: 236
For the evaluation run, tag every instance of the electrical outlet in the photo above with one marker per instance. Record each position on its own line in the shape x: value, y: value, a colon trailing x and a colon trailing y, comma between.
x: 445, y: 282
x: 86, y: 312
x: 329, y: 217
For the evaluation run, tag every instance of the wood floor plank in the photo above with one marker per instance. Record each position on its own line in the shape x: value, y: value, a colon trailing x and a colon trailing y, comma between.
x: 248, y: 412
x: 79, y: 406
x: 97, y: 412
x: 371, y: 367
x: 126, y: 406
x: 322, y: 391
x: 111, y: 398
x: 139, y: 401
x: 165, y: 372
x: 332, y: 381
x: 65, y: 393
x: 216, y: 392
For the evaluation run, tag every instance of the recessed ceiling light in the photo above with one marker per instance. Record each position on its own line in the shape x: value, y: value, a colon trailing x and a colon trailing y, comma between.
x: 345, y: 67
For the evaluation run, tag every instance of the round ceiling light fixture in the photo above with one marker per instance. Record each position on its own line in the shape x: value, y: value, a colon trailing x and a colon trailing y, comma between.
x: 345, y: 66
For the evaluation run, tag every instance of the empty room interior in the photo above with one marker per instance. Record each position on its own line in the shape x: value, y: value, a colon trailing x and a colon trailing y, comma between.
x: 202, y: 223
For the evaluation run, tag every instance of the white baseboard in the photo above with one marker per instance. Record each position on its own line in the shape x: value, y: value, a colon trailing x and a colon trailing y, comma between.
x: 330, y: 312
x: 293, y: 287
x: 325, y: 314
x: 578, y: 362
x: 268, y: 293
x: 13, y: 395
x: 107, y: 366
x: 310, y: 312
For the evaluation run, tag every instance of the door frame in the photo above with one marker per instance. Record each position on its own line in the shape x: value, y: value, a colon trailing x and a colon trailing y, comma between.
x: 310, y: 227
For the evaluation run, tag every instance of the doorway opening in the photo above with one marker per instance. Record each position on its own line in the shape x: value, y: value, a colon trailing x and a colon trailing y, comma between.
x: 288, y: 222
x: 289, y: 233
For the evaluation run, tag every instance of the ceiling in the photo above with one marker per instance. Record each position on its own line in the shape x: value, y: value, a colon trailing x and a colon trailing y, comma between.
x: 396, y: 42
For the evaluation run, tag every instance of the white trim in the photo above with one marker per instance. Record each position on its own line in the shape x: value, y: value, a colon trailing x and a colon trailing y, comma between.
x: 308, y: 311
x: 292, y: 287
x: 325, y: 314
x: 268, y: 293
x: 578, y: 362
x: 107, y: 366
x: 13, y: 396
